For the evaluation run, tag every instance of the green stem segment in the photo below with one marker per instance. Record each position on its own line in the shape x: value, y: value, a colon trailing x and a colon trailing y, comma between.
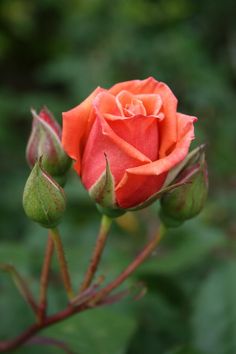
x: 62, y: 262
x: 45, y: 278
x: 97, y: 253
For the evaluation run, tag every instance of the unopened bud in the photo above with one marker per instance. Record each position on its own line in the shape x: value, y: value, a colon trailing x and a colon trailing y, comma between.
x: 45, y: 141
x: 43, y: 198
x: 187, y: 200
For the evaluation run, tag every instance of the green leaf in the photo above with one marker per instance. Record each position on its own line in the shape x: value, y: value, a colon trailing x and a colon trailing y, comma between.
x: 214, y: 317
x: 100, y: 331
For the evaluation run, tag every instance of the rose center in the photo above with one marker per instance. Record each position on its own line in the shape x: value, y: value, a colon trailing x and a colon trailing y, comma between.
x: 135, y: 107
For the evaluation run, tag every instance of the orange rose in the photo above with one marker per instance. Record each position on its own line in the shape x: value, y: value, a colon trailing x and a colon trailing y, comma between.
x: 126, y: 140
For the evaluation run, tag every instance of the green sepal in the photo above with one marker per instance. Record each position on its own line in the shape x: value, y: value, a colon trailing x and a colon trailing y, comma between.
x: 103, y: 193
x: 43, y: 199
x: 103, y: 190
x: 112, y: 213
x: 190, y: 159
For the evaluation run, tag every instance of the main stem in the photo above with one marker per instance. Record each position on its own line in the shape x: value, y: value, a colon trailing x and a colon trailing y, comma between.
x: 97, y: 253
x: 45, y: 278
x: 62, y: 262
x: 94, y: 300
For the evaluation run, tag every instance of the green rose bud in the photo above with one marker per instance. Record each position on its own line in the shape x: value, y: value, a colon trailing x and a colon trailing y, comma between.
x: 45, y: 141
x: 43, y: 198
x: 187, y: 200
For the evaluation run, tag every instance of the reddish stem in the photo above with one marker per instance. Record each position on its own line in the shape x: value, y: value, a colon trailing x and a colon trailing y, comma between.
x: 62, y: 262
x: 94, y: 300
x: 97, y: 253
x: 148, y: 249
x: 45, y: 278
x: 35, y: 328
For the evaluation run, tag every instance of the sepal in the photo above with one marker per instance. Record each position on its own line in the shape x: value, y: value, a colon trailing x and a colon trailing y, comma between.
x: 103, y: 193
x: 43, y: 199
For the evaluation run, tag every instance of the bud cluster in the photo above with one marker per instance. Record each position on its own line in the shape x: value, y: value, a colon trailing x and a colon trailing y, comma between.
x: 182, y: 196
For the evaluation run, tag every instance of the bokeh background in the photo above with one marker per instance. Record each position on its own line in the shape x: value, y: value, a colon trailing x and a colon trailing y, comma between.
x: 55, y: 52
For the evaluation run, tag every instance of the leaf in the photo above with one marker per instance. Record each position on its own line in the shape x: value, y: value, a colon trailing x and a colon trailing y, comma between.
x: 214, y: 317
x: 101, y: 331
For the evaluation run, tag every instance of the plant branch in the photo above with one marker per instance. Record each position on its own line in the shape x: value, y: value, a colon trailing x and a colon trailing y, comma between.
x: 62, y: 262
x: 94, y: 300
x: 45, y: 278
x: 97, y: 253
x: 37, y: 327
x: 148, y: 249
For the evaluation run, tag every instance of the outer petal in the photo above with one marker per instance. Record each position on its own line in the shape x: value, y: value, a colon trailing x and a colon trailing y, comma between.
x: 168, y: 126
x: 136, y: 86
x: 160, y: 167
x: 121, y: 155
x: 138, y: 188
x: 140, y: 132
x: 76, y: 124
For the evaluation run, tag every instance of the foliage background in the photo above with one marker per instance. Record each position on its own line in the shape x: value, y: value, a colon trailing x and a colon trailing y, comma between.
x: 55, y: 52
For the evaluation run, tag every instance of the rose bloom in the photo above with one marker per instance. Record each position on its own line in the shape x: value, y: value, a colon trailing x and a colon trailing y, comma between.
x: 136, y: 126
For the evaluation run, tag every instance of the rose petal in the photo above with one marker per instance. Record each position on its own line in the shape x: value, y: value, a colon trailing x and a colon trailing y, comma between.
x: 76, y: 124
x: 105, y: 103
x: 168, y: 126
x: 138, y: 189
x: 121, y: 155
x: 152, y: 103
x: 169, y: 107
x: 139, y: 131
x: 136, y: 86
x: 162, y: 166
x: 129, y: 105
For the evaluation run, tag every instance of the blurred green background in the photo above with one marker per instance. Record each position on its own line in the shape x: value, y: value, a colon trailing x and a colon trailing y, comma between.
x: 55, y: 52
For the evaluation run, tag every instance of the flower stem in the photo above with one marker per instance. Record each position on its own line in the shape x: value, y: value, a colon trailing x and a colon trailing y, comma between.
x: 62, y: 262
x: 94, y: 300
x: 45, y: 278
x: 147, y: 250
x: 97, y: 252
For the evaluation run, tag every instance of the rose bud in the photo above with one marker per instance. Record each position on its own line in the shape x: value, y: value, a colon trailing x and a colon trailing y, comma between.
x: 45, y: 140
x: 125, y: 141
x: 43, y: 198
x: 187, y: 200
